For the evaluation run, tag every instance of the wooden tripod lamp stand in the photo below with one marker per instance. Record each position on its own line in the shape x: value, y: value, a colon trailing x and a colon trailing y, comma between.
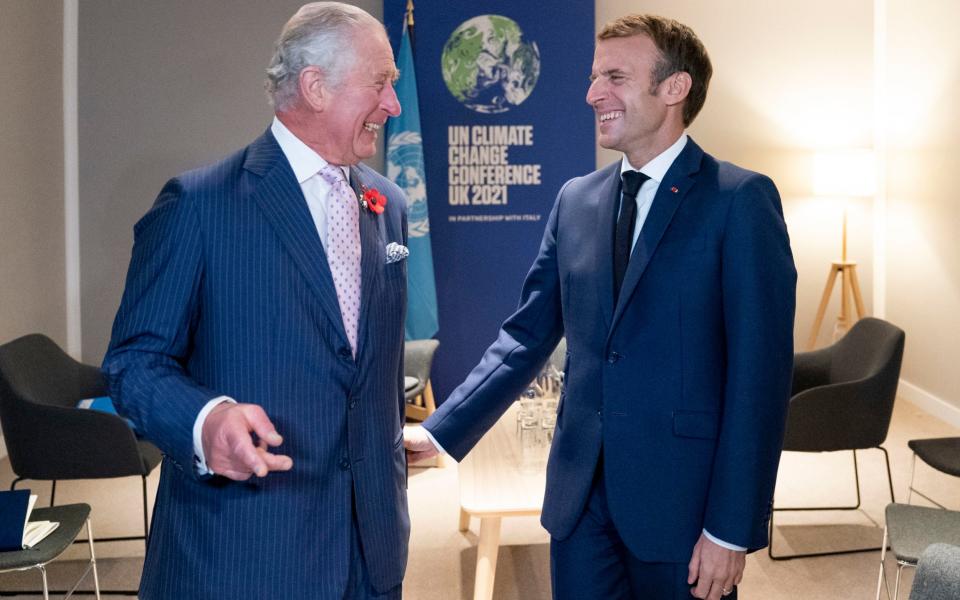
x: 842, y: 174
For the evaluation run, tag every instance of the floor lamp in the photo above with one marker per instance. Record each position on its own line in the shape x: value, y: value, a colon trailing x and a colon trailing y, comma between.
x: 847, y: 174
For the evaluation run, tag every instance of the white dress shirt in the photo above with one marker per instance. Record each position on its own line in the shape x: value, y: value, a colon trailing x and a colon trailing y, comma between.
x: 655, y: 170
x: 305, y: 164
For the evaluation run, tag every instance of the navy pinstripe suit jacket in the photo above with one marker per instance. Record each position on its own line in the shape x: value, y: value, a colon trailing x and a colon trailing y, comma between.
x: 229, y: 293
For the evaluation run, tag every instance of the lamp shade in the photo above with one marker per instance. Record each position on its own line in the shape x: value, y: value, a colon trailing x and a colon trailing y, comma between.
x: 846, y: 173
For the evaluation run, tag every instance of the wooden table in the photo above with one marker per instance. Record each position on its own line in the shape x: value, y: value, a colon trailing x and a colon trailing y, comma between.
x: 498, y: 479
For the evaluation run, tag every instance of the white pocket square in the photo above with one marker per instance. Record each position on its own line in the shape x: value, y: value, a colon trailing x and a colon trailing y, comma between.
x: 396, y: 252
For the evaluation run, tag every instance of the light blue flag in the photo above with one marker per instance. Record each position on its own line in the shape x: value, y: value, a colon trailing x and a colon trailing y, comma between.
x: 405, y: 168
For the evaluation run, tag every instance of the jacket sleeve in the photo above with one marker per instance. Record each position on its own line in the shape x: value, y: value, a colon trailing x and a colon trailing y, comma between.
x: 759, y: 297
x: 153, y: 332
x: 522, y: 347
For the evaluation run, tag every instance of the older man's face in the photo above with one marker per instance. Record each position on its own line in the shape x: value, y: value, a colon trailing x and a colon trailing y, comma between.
x: 358, y: 107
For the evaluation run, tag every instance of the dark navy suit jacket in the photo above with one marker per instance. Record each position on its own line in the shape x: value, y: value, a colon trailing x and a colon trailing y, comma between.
x: 683, y: 383
x: 229, y: 293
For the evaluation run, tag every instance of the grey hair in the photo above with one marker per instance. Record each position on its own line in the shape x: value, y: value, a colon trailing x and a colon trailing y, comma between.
x: 318, y: 34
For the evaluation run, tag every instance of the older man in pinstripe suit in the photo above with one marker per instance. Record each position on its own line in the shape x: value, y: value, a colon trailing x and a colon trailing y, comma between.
x: 261, y: 298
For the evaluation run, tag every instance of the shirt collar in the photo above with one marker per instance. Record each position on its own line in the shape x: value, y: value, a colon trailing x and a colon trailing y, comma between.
x: 658, y: 167
x: 304, y: 161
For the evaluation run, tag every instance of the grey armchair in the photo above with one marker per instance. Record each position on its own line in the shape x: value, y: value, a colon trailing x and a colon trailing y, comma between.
x: 842, y: 401
x: 910, y: 530
x: 417, y: 361
x: 938, y: 573
x: 48, y: 438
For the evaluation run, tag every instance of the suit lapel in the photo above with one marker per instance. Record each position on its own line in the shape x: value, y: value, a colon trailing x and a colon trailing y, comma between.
x: 372, y: 257
x: 674, y: 187
x: 281, y: 200
x: 608, y: 201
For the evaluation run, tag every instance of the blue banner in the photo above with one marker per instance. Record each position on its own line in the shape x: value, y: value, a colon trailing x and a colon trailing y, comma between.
x: 405, y: 168
x: 502, y: 85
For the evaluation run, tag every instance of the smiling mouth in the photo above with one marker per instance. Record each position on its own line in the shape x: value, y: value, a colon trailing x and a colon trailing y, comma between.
x: 609, y: 116
x: 371, y: 127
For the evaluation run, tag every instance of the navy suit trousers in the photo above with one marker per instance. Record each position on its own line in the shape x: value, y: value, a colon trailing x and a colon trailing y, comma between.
x: 593, y: 562
x: 358, y: 585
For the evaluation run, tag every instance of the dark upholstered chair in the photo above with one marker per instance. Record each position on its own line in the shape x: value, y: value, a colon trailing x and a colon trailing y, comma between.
x: 942, y: 454
x: 938, y: 573
x: 417, y: 361
x: 843, y: 400
x: 910, y: 530
x: 48, y: 438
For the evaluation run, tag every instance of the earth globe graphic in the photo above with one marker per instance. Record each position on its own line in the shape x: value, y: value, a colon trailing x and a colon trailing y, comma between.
x: 488, y: 66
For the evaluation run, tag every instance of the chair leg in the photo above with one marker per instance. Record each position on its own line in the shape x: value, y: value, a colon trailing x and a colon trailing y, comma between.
x: 770, y: 536
x: 146, y: 526
x: 886, y: 458
x: 428, y: 398
x: 46, y: 585
x: 881, y: 579
x: 913, y: 472
x: 53, y: 491
x: 919, y: 493
x: 856, y: 477
x: 93, y: 562
x: 896, y: 587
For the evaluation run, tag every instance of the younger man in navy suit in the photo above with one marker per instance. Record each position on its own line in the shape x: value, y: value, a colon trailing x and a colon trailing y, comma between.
x: 671, y: 276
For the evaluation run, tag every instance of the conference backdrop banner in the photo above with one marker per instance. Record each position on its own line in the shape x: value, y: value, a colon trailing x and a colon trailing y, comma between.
x: 504, y: 123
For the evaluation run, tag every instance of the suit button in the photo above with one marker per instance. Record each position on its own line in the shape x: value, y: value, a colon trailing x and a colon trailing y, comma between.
x: 353, y: 404
x: 600, y: 413
x: 345, y: 352
x: 344, y: 464
x: 613, y: 357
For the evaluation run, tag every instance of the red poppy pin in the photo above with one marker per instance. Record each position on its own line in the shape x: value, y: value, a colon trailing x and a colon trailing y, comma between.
x: 373, y: 200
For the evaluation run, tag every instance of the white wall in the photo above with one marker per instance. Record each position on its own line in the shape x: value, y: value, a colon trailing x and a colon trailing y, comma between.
x: 787, y: 83
x: 924, y: 190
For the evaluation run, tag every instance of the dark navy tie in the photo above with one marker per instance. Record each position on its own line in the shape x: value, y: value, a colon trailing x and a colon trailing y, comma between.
x: 623, y: 236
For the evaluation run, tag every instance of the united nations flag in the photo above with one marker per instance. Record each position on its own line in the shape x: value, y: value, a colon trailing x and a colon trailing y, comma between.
x: 405, y: 168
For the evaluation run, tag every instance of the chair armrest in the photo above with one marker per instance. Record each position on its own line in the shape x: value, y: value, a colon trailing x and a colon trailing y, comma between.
x: 55, y: 442
x: 811, y: 369
x: 838, y: 416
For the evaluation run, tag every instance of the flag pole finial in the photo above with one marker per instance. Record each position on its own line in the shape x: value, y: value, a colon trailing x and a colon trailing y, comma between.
x: 409, y: 13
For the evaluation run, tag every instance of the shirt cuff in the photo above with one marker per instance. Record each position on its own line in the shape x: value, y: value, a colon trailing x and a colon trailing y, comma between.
x: 434, y: 441
x: 200, y: 461
x: 722, y: 543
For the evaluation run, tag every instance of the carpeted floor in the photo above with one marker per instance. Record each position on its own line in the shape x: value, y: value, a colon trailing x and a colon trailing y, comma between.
x: 442, y: 560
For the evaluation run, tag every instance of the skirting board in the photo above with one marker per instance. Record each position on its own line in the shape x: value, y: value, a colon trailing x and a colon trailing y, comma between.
x: 937, y: 407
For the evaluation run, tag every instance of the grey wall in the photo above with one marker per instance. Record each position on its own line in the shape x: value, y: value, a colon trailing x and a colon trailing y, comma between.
x: 164, y: 87
x: 32, y: 295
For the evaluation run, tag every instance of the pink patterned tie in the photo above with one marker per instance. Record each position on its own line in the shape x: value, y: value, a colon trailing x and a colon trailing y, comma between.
x: 343, y: 248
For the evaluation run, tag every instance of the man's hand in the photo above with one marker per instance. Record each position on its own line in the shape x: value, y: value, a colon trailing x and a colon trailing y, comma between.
x: 418, y: 445
x: 228, y: 446
x: 715, y: 569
